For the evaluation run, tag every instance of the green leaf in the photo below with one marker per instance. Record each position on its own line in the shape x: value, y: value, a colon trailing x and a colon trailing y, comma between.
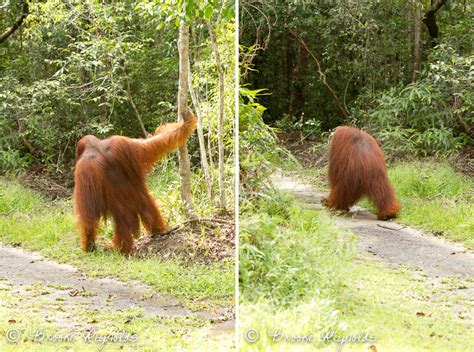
x: 208, y: 11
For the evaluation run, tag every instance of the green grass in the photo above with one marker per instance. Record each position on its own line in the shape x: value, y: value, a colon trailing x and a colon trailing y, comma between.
x: 295, y: 252
x: 300, y: 279
x: 436, y: 198
x: 30, y: 221
x: 408, y: 312
x: 402, y: 312
x: 293, y: 267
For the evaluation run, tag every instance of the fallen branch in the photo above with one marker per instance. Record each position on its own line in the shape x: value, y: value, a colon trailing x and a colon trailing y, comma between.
x: 192, y: 221
x: 391, y: 228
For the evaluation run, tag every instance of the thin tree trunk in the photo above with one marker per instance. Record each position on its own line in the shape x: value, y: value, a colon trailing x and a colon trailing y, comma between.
x: 183, y: 155
x: 296, y: 96
x: 209, y: 143
x: 417, y: 41
x: 103, y: 113
x: 202, y: 142
x: 132, y: 104
x: 220, y: 141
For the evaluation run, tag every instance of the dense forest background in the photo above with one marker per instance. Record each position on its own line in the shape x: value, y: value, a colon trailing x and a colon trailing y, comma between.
x: 402, y: 70
x: 72, y: 68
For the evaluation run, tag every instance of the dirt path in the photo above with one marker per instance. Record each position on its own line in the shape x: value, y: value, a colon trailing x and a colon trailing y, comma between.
x: 395, y: 244
x: 22, y: 269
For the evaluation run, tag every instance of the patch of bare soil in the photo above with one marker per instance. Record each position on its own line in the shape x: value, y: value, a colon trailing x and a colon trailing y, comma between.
x: 204, y: 240
x: 307, y: 150
x: 464, y: 161
x: 54, y: 187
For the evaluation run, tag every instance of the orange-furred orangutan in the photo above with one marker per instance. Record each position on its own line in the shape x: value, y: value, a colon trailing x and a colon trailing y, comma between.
x: 357, y: 169
x: 110, y: 182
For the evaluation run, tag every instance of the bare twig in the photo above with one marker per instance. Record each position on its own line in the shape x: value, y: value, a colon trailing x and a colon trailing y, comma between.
x: 322, y: 75
x: 193, y: 221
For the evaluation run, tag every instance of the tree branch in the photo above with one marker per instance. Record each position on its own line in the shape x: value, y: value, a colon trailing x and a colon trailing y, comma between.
x: 9, y: 31
x: 322, y: 75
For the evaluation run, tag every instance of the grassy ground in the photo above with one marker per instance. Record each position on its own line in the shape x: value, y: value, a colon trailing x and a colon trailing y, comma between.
x: 433, y: 196
x: 393, y: 310
x: 436, y: 198
x: 133, y: 331
x: 29, y: 221
x: 300, y: 281
x: 35, y: 223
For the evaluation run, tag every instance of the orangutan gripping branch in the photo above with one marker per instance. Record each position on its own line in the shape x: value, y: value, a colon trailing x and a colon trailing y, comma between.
x: 110, y: 181
x: 357, y: 169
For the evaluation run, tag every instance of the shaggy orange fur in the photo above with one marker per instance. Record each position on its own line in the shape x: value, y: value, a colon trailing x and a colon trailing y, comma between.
x: 357, y: 169
x: 110, y: 181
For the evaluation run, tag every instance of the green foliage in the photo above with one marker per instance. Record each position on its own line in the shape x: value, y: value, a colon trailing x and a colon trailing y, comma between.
x: 306, y: 127
x: 355, y: 44
x: 289, y: 254
x: 428, y: 117
x: 67, y: 75
x: 368, y: 63
x: 259, y: 150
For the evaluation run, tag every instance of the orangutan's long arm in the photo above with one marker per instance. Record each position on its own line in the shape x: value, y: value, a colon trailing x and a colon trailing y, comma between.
x: 157, y: 147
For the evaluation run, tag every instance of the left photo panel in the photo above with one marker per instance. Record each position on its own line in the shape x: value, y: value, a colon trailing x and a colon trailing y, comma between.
x: 117, y: 175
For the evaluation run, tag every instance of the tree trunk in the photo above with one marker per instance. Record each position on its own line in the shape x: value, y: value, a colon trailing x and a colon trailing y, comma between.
x: 202, y: 142
x: 132, y: 103
x: 209, y: 142
x: 429, y: 20
x: 296, y: 96
x: 183, y: 156
x: 220, y: 140
x: 417, y: 42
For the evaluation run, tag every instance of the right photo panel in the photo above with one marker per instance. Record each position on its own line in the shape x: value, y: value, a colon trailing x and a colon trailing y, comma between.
x: 356, y: 150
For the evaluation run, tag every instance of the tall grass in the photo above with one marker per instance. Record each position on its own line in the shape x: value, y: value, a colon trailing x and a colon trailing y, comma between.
x: 293, y: 267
